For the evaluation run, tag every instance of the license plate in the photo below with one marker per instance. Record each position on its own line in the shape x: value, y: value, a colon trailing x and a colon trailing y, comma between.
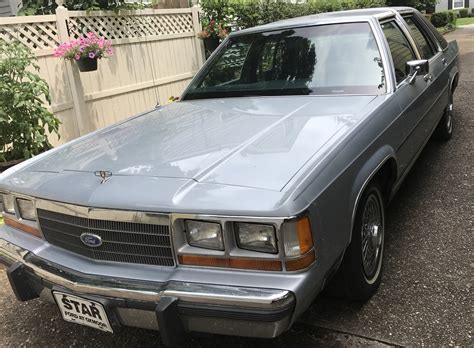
x: 82, y: 311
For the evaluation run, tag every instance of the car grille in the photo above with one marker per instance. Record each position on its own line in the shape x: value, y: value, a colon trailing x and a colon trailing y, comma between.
x: 121, y: 241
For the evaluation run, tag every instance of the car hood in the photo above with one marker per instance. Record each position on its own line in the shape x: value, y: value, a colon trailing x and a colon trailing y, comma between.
x: 251, y: 142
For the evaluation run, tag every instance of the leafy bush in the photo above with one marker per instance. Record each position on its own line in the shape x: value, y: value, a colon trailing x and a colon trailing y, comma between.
x: 421, y: 5
x: 463, y: 13
x: 440, y: 19
x: 249, y: 13
x: 23, y: 118
x: 43, y: 7
x: 452, y: 17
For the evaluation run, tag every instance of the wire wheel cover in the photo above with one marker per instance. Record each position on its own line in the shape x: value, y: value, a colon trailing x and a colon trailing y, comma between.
x: 372, y: 235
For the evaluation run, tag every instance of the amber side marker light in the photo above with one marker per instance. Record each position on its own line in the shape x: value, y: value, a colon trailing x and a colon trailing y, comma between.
x: 305, y: 236
x: 304, y: 245
x: 300, y: 263
x: 258, y: 264
x: 25, y: 228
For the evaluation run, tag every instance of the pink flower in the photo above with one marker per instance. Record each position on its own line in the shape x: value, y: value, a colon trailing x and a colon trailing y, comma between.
x: 91, y: 45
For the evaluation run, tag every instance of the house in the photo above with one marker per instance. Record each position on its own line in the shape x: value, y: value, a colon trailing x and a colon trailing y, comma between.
x: 444, y: 5
x: 10, y: 7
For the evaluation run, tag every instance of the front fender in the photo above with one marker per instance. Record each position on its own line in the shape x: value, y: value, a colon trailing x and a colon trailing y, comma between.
x: 366, y: 173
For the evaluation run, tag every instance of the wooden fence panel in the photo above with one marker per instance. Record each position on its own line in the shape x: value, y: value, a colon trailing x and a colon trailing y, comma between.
x: 156, y: 53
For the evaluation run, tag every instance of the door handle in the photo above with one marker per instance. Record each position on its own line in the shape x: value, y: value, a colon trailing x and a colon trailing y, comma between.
x: 445, y: 61
x: 428, y: 78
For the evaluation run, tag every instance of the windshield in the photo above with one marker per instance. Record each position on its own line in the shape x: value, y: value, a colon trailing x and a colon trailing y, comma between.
x: 321, y: 60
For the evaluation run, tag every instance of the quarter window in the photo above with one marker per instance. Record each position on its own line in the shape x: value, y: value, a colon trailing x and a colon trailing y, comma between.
x: 399, y: 48
x: 420, y: 38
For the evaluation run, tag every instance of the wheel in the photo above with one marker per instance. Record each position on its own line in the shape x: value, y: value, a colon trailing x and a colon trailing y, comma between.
x: 361, y: 268
x: 444, y: 130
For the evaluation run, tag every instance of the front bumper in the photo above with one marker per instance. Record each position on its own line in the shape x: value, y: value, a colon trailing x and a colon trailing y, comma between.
x: 220, y: 309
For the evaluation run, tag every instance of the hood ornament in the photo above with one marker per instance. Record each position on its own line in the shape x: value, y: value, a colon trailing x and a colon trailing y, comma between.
x: 105, y: 175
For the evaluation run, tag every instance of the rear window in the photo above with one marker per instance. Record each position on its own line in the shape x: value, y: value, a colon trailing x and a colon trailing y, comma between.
x: 442, y: 41
x: 325, y: 59
x: 422, y: 40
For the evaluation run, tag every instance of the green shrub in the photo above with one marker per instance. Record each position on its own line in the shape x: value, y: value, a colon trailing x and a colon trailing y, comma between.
x: 24, y: 120
x: 463, y: 13
x: 440, y: 19
x: 452, y: 17
x: 249, y: 13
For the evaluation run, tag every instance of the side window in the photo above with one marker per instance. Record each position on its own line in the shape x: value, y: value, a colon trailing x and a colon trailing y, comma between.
x: 399, y: 48
x: 440, y: 38
x: 422, y: 40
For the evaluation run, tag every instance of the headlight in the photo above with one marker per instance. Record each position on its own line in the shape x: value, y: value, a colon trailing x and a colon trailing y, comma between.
x: 8, y: 205
x: 204, y: 234
x: 27, y: 209
x: 256, y: 237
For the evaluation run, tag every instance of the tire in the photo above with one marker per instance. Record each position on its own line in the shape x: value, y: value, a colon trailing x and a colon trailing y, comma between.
x: 361, y: 268
x: 444, y: 130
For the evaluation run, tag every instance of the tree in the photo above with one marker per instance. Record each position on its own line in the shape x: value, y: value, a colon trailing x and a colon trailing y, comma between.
x: 421, y: 5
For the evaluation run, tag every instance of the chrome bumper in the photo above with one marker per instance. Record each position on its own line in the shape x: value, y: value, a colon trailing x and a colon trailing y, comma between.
x: 242, y: 311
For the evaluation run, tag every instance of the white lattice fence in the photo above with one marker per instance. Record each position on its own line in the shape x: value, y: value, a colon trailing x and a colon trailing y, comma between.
x: 156, y: 53
x: 116, y: 27
x: 35, y: 33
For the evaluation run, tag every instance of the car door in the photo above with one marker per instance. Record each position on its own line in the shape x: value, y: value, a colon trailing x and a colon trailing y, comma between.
x: 414, y: 99
x: 438, y: 74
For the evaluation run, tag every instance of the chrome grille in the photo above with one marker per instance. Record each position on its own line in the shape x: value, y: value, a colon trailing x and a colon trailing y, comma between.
x: 129, y: 242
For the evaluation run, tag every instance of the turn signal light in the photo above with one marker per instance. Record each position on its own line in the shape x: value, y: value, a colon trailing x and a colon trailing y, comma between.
x: 209, y: 261
x: 305, y: 235
x: 297, y: 237
x: 23, y: 227
x: 301, y: 262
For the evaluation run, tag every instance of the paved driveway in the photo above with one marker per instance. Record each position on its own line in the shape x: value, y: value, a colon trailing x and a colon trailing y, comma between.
x: 426, y: 295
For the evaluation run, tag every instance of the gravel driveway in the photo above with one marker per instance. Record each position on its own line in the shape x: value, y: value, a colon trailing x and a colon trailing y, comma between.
x: 426, y: 295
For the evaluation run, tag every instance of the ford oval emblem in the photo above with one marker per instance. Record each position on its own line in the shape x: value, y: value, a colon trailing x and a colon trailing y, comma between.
x: 91, y: 240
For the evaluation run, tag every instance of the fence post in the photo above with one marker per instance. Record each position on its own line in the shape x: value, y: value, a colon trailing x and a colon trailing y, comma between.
x: 83, y: 123
x: 199, y: 44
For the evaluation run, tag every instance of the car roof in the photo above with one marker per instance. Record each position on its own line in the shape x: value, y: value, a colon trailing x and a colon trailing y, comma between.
x: 329, y: 17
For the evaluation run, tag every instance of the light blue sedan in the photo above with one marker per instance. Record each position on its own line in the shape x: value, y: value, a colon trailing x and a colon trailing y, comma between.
x: 229, y: 211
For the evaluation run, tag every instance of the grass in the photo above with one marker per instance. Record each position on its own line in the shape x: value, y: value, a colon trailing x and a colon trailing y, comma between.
x: 459, y: 23
x: 444, y: 30
x: 464, y: 21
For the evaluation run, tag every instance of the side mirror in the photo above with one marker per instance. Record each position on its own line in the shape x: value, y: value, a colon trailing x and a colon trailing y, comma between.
x: 417, y: 67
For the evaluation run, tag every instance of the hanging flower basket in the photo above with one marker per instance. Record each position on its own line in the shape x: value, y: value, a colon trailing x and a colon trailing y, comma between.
x: 212, y: 33
x: 87, y: 64
x: 85, y: 51
x: 211, y: 43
